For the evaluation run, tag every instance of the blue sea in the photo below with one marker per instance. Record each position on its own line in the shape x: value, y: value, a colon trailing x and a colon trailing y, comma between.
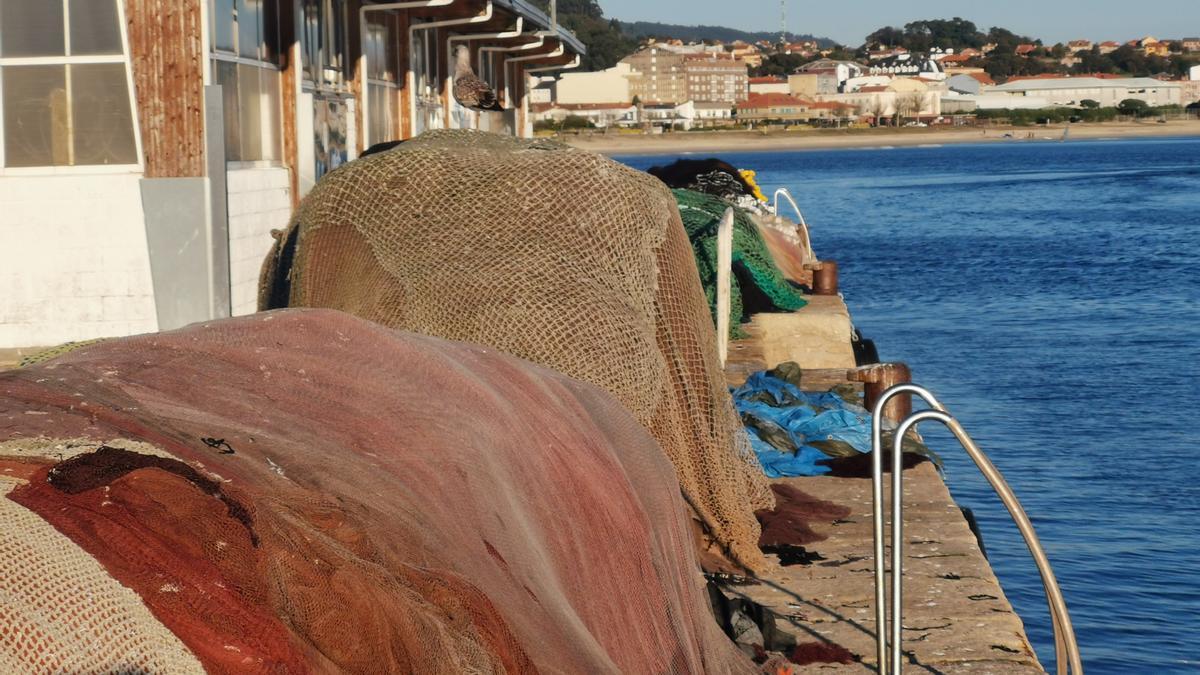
x: 1049, y: 294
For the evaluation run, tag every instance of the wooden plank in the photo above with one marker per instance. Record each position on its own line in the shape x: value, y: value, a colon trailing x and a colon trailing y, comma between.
x: 292, y: 72
x: 168, y: 59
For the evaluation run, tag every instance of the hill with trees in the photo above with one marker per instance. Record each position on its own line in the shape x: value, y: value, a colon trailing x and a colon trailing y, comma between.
x: 648, y: 29
x: 606, y: 43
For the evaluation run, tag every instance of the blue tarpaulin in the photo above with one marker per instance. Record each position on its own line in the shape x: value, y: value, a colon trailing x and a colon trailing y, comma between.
x: 774, y: 408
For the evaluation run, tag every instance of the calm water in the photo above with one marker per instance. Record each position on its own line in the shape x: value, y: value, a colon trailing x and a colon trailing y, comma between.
x: 1049, y: 293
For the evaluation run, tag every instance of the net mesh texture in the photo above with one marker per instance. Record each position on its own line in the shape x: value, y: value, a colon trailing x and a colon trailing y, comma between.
x: 756, y: 281
x: 324, y: 494
x: 556, y: 255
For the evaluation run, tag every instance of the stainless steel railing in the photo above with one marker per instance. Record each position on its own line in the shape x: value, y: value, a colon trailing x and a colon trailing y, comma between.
x: 806, y: 243
x: 1065, y: 647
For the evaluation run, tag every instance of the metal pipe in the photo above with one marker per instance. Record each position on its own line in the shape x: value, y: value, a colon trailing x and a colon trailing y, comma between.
x: 898, y: 529
x: 1066, y: 647
x: 412, y: 33
x: 809, y: 256
x: 541, y: 40
x: 362, y: 48
x: 514, y: 32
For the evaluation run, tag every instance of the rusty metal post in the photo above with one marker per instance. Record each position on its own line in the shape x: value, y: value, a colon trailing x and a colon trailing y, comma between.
x: 825, y: 277
x: 878, y: 378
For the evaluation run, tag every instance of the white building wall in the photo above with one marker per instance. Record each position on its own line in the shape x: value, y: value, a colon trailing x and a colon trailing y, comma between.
x: 75, y: 260
x: 259, y: 201
x: 605, y: 86
x: 770, y: 88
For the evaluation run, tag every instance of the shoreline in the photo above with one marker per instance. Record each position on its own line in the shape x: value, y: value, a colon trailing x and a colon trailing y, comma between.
x: 682, y: 142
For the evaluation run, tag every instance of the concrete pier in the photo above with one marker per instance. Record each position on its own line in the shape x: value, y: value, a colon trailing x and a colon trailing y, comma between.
x: 956, y: 618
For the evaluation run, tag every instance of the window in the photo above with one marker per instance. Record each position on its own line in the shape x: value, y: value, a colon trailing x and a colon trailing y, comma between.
x: 382, y: 69
x: 324, y: 44
x: 244, y: 38
x: 64, y: 85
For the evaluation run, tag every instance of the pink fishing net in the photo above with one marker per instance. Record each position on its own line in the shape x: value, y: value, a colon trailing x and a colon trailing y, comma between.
x: 306, y: 491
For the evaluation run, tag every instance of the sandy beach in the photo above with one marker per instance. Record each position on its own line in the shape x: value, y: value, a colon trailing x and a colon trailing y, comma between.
x: 818, y: 139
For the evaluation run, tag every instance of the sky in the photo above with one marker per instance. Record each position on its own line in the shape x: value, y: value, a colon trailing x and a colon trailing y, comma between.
x: 1051, y: 20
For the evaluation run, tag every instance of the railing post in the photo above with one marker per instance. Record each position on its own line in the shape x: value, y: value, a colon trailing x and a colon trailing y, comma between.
x: 724, y: 282
x: 1068, y: 659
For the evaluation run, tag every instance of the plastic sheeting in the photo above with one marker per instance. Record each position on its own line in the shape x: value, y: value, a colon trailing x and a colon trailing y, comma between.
x: 793, y: 432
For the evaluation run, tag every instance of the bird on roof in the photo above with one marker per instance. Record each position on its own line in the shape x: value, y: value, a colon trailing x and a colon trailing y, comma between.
x: 469, y: 89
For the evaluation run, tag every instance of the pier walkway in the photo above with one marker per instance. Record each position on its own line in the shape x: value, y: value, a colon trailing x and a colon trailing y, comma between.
x: 956, y: 617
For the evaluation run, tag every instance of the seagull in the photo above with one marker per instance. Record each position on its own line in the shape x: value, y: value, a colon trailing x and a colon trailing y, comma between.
x: 471, y: 91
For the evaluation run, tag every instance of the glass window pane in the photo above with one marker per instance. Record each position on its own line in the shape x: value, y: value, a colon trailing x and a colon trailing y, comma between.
x: 35, y: 115
x: 223, y: 26
x: 226, y: 76
x: 272, y: 115
x: 249, y: 27
x: 102, y: 120
x: 31, y: 28
x: 249, y: 112
x: 312, y: 41
x: 381, y: 113
x: 95, y: 27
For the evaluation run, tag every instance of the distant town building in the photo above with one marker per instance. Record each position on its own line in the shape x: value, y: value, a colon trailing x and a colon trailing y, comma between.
x: 1190, y: 44
x: 1189, y: 91
x: 713, y: 113
x: 664, y: 76
x: 972, y: 83
x: 1079, y: 46
x: 600, y: 114
x: 909, y: 65
x: 840, y: 70
x: 657, y: 76
x: 611, y: 86
x: 787, y: 108
x: 1025, y: 49
x: 769, y: 85
x: 1107, y: 92
x: 811, y: 84
x: 716, y: 79
x: 1109, y: 47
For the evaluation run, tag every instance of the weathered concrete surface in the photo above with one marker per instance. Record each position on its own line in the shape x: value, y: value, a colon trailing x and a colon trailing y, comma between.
x: 815, y: 336
x: 956, y: 617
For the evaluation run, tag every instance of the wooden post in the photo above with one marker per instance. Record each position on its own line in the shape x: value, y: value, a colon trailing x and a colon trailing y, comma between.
x: 724, y: 282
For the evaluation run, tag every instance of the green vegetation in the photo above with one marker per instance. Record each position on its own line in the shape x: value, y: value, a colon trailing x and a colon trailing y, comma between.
x: 645, y: 29
x: 1128, y: 60
x: 569, y: 123
x: 1128, y: 108
x: 1003, y: 63
x: 605, y: 42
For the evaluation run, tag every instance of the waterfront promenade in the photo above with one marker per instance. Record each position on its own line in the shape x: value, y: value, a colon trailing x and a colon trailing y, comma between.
x: 680, y: 142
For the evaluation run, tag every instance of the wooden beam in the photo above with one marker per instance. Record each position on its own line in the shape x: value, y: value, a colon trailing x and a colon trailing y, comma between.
x: 167, y: 56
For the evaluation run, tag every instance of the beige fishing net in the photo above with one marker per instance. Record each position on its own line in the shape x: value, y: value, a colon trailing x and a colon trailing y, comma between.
x: 557, y: 255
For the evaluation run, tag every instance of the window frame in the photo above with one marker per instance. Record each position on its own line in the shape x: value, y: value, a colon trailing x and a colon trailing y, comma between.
x: 260, y: 61
x: 122, y: 58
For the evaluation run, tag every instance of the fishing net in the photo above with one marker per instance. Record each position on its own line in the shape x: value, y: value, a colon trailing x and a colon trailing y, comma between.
x: 756, y: 282
x: 304, y: 491
x: 553, y: 254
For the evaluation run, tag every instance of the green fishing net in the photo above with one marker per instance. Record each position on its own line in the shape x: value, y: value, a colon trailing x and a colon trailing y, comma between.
x: 752, y: 263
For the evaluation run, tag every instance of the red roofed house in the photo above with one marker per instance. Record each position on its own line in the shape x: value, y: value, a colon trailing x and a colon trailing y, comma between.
x: 763, y: 107
x: 1025, y: 50
x: 1109, y: 47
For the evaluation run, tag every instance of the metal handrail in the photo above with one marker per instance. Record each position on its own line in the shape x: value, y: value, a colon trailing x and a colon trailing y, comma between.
x: 1065, y: 646
x: 809, y: 256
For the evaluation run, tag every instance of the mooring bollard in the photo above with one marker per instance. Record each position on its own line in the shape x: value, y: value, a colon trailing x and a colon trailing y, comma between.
x: 825, y: 277
x: 878, y: 378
